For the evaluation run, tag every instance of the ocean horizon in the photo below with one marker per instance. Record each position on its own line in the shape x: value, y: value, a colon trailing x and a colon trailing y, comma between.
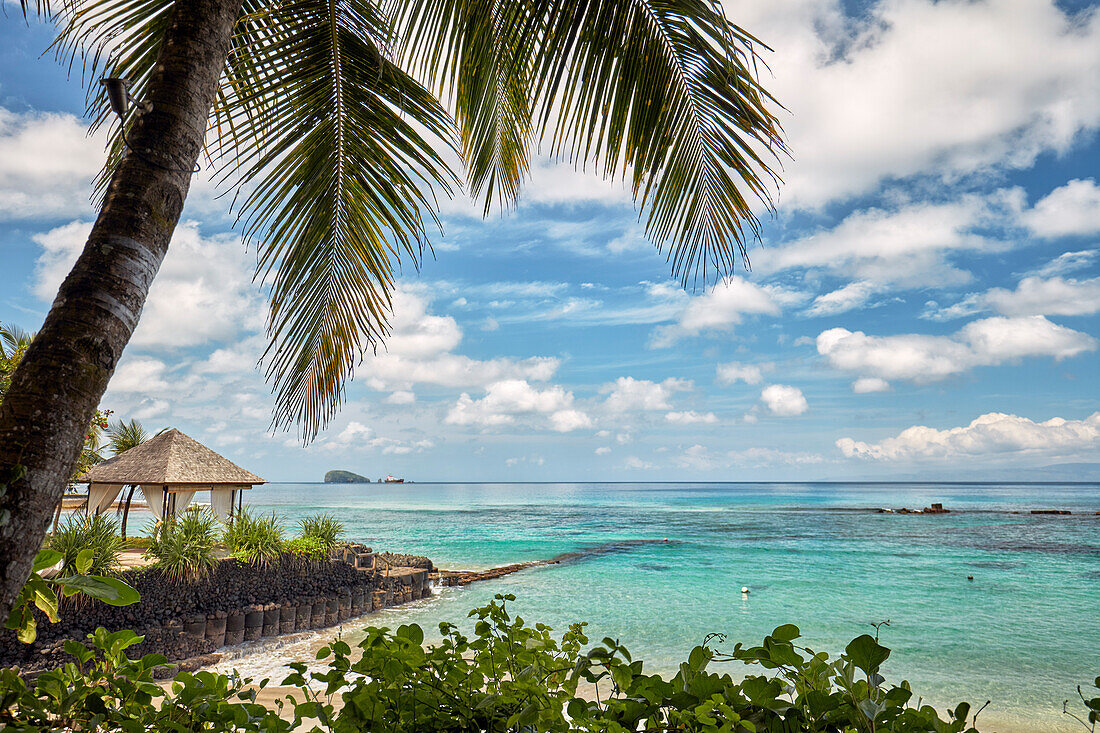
x: 660, y: 565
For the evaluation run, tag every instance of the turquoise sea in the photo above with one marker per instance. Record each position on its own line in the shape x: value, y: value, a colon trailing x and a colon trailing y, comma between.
x: 1023, y: 633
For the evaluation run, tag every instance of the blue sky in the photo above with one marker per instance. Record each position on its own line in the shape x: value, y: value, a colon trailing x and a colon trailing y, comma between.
x: 923, y: 302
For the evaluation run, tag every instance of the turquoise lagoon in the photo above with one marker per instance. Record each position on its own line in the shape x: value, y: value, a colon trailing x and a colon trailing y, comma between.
x: 1023, y: 633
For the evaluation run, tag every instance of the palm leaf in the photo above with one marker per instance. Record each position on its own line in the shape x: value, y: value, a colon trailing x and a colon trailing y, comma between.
x: 326, y: 132
x: 478, y: 55
x: 662, y: 93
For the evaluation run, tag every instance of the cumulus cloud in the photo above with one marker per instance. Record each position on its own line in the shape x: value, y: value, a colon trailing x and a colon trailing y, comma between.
x: 992, y: 433
x: 140, y: 375
x: 783, y: 400
x: 47, y: 163
x: 851, y: 296
x: 1023, y: 74
x: 1055, y: 296
x: 1072, y: 209
x: 907, y: 246
x: 420, y: 350
x: 628, y: 393
x: 701, y: 458
x: 867, y: 385
x: 722, y: 307
x: 1068, y: 262
x: 203, y: 292
x: 924, y: 359
x: 507, y: 399
x: 691, y: 417
x: 734, y: 371
x: 401, y: 397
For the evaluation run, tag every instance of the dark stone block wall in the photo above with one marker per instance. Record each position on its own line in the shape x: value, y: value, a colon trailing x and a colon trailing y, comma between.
x: 237, y: 602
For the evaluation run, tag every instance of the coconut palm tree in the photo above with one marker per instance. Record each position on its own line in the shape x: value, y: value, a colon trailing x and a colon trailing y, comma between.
x: 125, y: 435
x: 338, y: 123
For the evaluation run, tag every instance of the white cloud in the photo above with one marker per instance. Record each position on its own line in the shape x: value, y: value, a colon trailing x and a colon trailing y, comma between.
x: 783, y: 400
x: 722, y: 307
x: 140, y: 375
x: 907, y: 246
x: 929, y: 88
x: 401, y: 397
x: 991, y: 433
x: 203, y: 292
x: 1053, y: 297
x: 1068, y: 262
x: 701, y: 458
x: 507, y: 399
x: 923, y: 359
x: 851, y: 296
x: 628, y: 393
x: 634, y: 462
x: 1072, y: 209
x: 47, y: 163
x: 603, y: 450
x: 734, y: 371
x: 867, y: 385
x: 564, y: 421
x: 420, y: 351
x: 691, y: 417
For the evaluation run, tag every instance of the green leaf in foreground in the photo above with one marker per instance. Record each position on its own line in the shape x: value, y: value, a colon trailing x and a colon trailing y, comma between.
x: 109, y: 590
x: 866, y: 653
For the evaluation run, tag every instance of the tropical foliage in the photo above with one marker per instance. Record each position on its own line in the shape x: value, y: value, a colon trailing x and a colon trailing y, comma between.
x: 80, y: 532
x: 255, y: 540
x: 14, y: 342
x: 123, y: 436
x: 41, y: 593
x: 324, y: 528
x: 338, y: 120
x: 506, y: 676
x: 184, y: 548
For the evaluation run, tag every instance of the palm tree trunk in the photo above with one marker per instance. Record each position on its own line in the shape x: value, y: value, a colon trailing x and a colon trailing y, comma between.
x: 61, y: 379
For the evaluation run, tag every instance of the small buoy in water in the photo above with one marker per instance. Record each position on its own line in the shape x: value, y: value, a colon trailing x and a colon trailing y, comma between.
x: 744, y: 589
x: 666, y: 539
x: 970, y: 577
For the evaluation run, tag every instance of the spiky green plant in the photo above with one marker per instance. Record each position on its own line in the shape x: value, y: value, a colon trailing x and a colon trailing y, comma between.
x: 183, y: 548
x: 98, y: 533
x: 256, y: 540
x: 126, y: 435
x: 324, y: 528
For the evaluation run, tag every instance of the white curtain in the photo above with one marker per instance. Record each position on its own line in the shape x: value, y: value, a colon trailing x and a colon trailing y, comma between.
x: 154, y: 497
x: 101, y: 496
x: 221, y: 502
x: 180, y: 500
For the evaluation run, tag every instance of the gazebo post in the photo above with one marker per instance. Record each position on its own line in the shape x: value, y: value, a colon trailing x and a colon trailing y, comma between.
x: 126, y: 508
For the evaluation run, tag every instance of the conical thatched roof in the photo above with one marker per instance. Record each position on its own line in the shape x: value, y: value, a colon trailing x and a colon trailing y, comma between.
x: 170, y: 458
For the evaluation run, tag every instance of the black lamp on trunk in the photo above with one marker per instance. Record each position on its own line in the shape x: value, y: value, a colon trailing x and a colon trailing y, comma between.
x: 118, y: 94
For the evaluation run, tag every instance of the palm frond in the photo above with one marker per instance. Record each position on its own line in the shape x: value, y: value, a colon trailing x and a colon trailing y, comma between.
x: 339, y: 147
x: 126, y: 435
x: 665, y: 94
x: 478, y: 55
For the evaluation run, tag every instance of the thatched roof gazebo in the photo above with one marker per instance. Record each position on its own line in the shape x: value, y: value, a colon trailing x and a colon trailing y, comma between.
x: 170, y: 468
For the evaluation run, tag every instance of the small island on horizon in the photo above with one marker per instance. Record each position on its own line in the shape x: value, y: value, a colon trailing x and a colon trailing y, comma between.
x: 345, y: 477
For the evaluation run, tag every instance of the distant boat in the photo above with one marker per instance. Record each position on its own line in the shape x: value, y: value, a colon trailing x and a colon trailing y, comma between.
x: 391, y: 479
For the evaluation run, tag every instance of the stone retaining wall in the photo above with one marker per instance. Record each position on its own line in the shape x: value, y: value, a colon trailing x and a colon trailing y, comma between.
x: 193, y: 637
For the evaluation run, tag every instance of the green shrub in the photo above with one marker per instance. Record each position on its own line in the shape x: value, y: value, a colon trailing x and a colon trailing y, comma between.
x: 258, y: 541
x: 507, y: 677
x: 306, y: 548
x: 324, y: 528
x: 98, y: 533
x: 183, y: 548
